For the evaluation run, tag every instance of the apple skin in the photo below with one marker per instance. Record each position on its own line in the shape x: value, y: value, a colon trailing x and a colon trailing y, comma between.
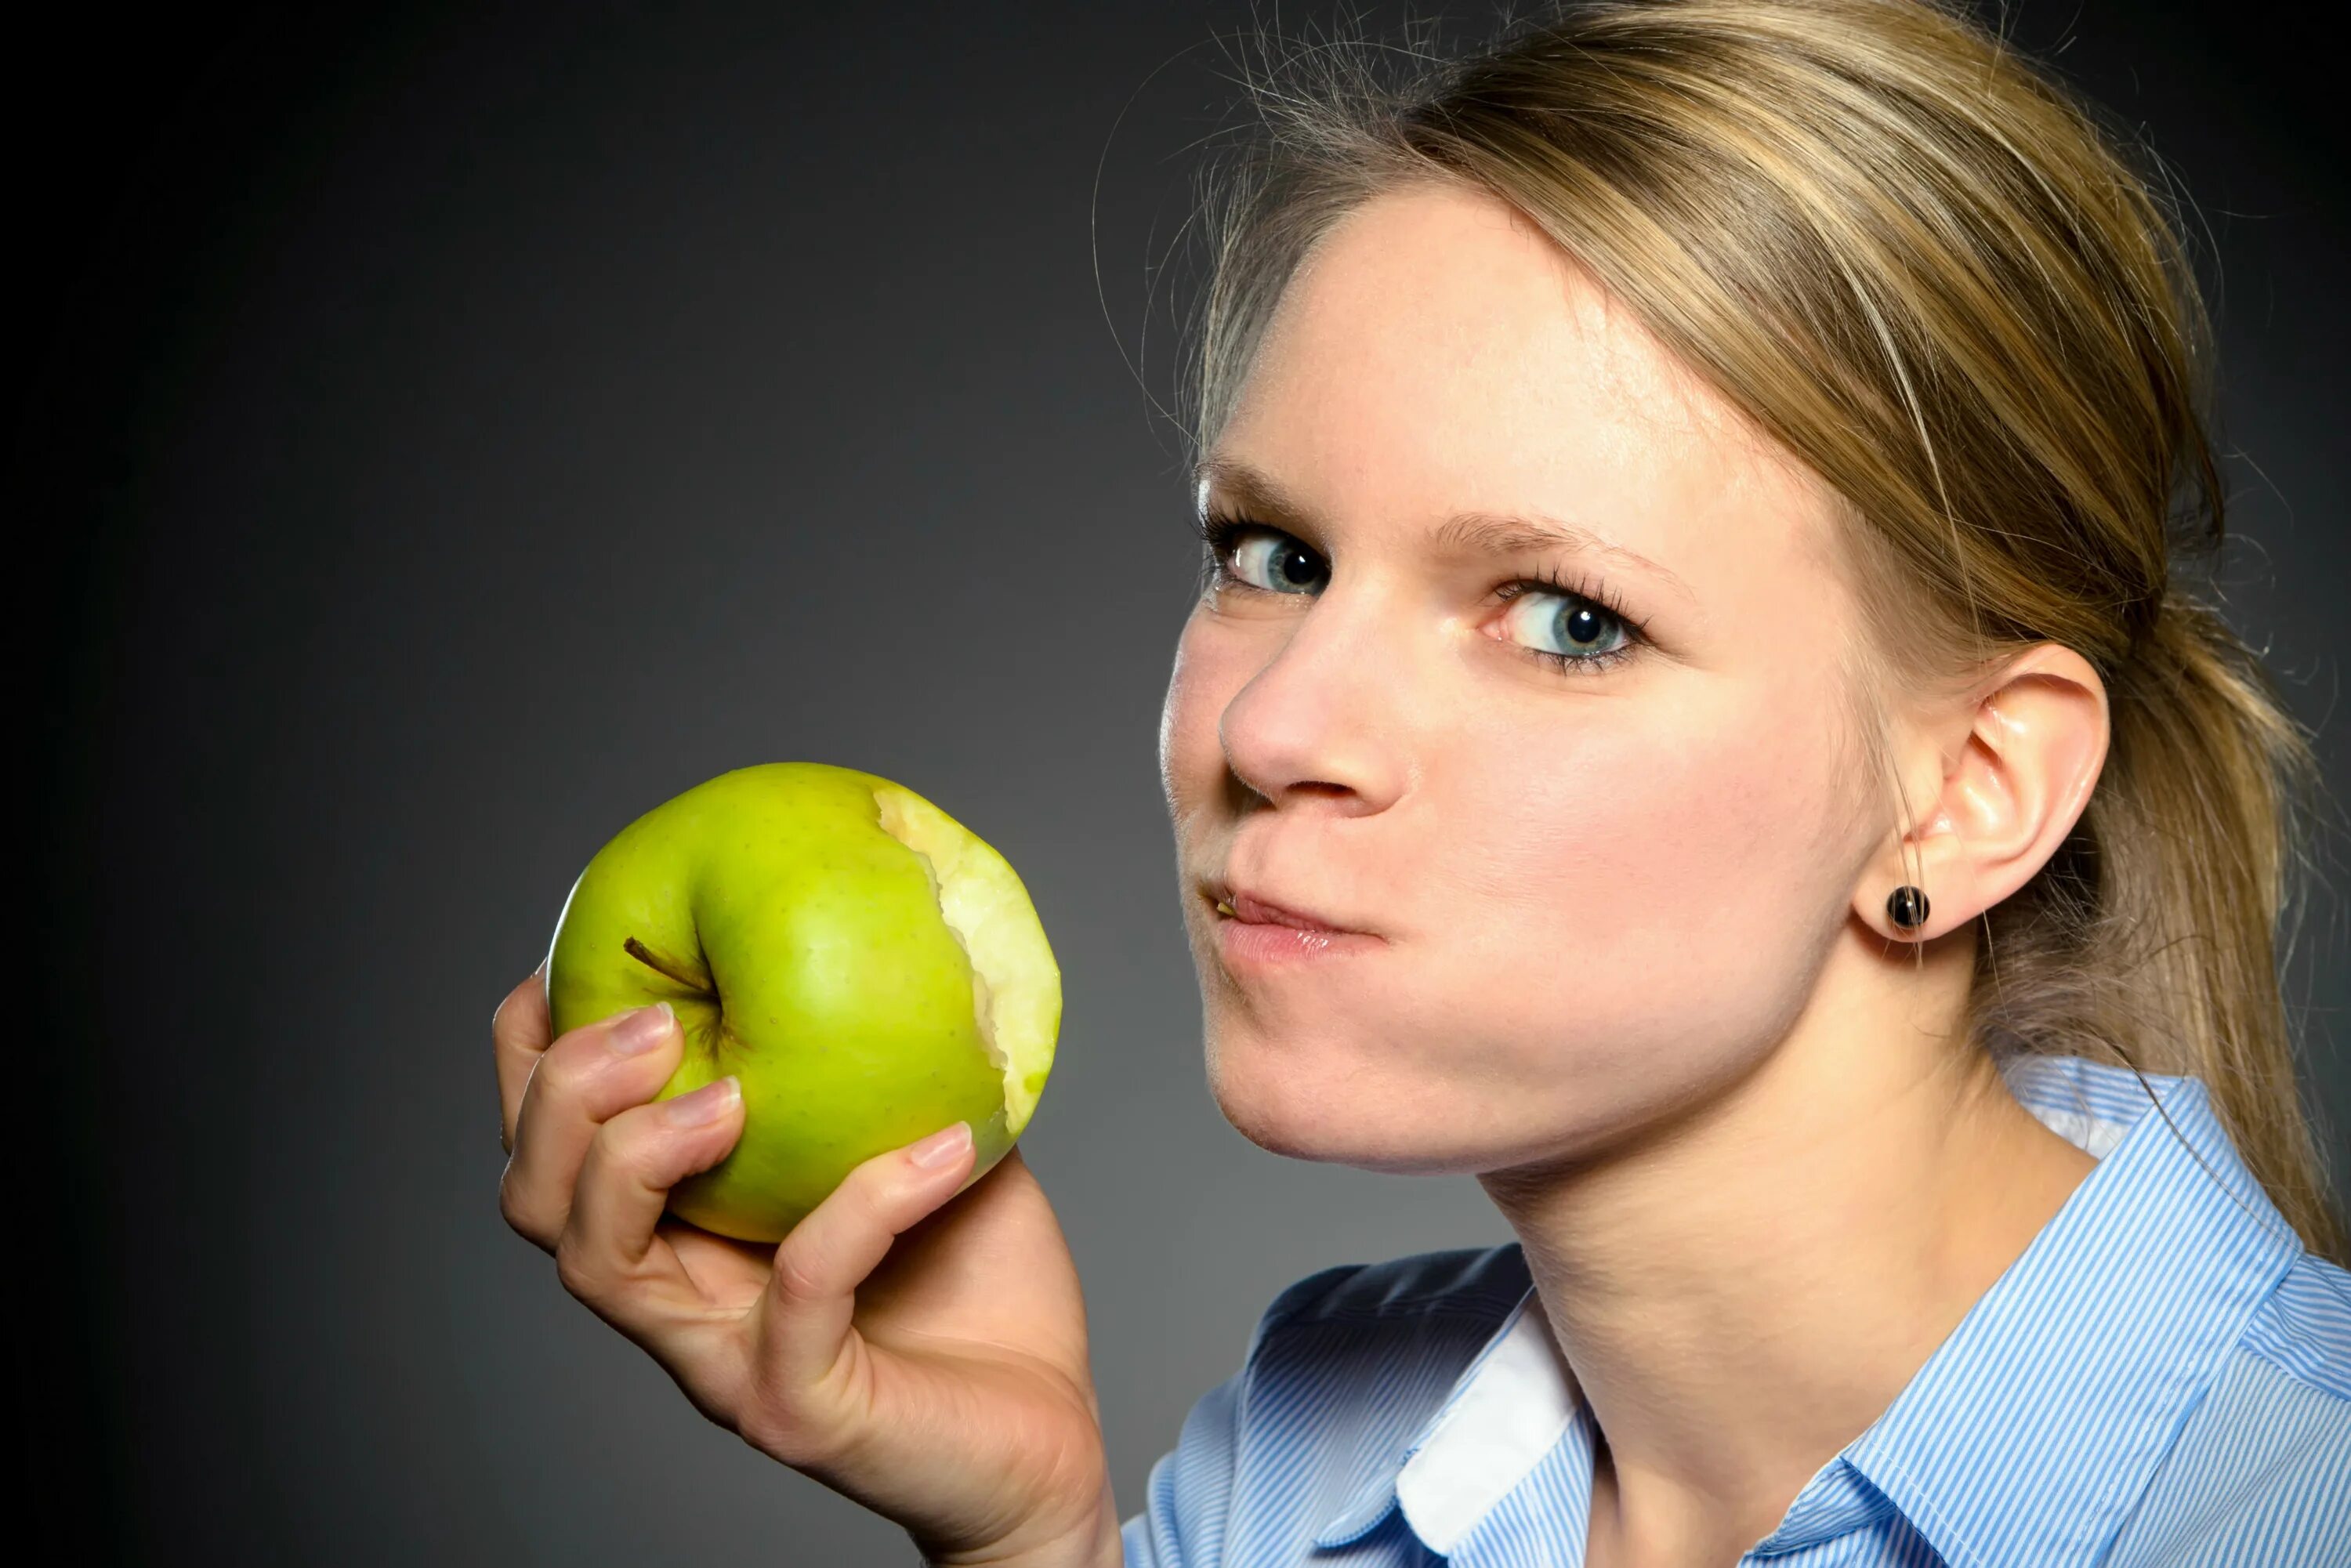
x: 838, y: 997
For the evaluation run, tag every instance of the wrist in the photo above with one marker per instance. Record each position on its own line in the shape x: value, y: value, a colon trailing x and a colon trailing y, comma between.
x: 1096, y: 1544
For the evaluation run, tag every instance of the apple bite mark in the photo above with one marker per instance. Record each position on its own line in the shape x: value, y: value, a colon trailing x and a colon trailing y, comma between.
x: 1016, y: 985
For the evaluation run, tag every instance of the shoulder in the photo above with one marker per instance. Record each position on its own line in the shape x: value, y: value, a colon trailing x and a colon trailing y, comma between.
x: 1480, y: 1283
x: 1343, y: 1367
x: 1373, y: 1348
x: 2304, y: 1328
x: 2261, y: 1471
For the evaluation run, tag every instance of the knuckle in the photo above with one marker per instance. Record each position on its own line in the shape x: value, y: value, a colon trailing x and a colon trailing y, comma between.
x: 576, y: 1272
x: 511, y: 1019
x: 866, y: 1197
x: 626, y: 1170
x: 515, y: 1206
x: 626, y: 1145
x: 796, y: 1279
x: 622, y: 1155
x: 559, y: 1078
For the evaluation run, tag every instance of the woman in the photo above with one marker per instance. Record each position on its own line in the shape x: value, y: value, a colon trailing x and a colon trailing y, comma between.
x: 1689, y: 719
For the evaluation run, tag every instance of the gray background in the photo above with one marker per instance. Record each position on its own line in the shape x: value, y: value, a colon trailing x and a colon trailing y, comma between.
x: 461, y: 429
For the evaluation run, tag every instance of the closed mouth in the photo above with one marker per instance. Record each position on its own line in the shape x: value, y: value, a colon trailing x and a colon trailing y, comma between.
x: 1237, y: 903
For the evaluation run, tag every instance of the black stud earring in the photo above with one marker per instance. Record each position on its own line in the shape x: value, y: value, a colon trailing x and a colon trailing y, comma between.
x: 1906, y: 906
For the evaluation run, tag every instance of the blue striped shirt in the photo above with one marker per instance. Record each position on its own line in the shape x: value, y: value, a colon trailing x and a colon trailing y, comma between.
x: 2162, y: 1377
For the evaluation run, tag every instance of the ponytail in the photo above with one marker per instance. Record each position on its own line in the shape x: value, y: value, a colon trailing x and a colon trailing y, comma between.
x: 2150, y: 940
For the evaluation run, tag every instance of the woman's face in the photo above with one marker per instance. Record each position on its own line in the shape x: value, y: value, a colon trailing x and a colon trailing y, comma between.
x: 1523, y: 659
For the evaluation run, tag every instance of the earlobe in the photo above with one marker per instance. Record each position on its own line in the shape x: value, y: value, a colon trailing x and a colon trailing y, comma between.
x: 2018, y: 766
x: 1908, y: 907
x: 1921, y: 875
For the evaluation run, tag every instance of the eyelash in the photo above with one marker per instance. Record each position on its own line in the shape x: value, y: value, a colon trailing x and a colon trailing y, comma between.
x: 1221, y: 534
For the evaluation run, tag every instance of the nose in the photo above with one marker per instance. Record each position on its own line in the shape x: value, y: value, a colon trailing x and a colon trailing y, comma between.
x: 1324, y: 719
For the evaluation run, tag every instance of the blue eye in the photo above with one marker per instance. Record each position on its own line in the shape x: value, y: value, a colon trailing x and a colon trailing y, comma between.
x: 1276, y: 563
x: 1565, y: 625
x: 1570, y: 627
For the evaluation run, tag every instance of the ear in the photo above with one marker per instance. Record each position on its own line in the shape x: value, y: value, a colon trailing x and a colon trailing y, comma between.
x: 1994, y: 788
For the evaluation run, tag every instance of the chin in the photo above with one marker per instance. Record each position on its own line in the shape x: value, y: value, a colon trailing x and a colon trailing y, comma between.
x: 1330, y: 1101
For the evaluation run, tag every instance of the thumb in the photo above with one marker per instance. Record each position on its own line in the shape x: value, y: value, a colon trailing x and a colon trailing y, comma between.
x: 811, y: 1294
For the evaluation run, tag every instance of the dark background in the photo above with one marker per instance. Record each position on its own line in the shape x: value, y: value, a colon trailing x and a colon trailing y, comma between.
x: 444, y: 433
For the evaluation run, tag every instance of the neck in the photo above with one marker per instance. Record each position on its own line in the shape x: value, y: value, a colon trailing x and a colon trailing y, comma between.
x: 1740, y: 1291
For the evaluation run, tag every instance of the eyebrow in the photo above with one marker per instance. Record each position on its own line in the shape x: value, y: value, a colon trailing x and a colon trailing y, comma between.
x: 1478, y: 533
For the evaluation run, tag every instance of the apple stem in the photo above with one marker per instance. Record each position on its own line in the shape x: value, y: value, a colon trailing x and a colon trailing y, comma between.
x: 691, y: 978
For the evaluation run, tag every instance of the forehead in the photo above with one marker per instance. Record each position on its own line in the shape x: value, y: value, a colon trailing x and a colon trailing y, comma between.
x: 1436, y: 353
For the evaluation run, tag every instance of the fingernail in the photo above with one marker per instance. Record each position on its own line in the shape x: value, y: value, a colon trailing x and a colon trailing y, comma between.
x: 639, y: 1031
x: 942, y: 1145
x: 706, y: 1104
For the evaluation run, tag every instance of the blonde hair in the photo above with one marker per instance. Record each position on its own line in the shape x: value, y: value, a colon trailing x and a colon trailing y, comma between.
x: 1919, y: 264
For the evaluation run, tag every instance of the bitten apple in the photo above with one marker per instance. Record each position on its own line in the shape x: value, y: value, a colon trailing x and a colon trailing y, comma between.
x: 865, y: 966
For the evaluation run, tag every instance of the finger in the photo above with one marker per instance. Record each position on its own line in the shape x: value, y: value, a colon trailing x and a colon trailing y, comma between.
x: 624, y: 1187
x: 518, y: 1034
x: 581, y: 1082
x: 811, y: 1292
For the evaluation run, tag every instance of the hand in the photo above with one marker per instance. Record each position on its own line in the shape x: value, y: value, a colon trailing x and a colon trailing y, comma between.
x: 924, y: 1356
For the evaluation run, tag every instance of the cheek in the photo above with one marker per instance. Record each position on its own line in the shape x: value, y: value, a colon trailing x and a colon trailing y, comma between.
x: 1655, y: 814
x: 1701, y: 836
x: 1620, y: 906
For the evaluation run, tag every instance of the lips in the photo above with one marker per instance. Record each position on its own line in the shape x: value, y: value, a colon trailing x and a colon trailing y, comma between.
x: 1246, y: 908
x: 1258, y: 941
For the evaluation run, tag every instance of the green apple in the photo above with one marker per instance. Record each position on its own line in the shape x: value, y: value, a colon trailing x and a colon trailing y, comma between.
x: 865, y: 967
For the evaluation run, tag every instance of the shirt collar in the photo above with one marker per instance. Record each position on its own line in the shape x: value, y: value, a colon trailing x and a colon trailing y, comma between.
x: 2037, y: 1424
x: 1507, y: 1410
x: 2028, y: 1433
